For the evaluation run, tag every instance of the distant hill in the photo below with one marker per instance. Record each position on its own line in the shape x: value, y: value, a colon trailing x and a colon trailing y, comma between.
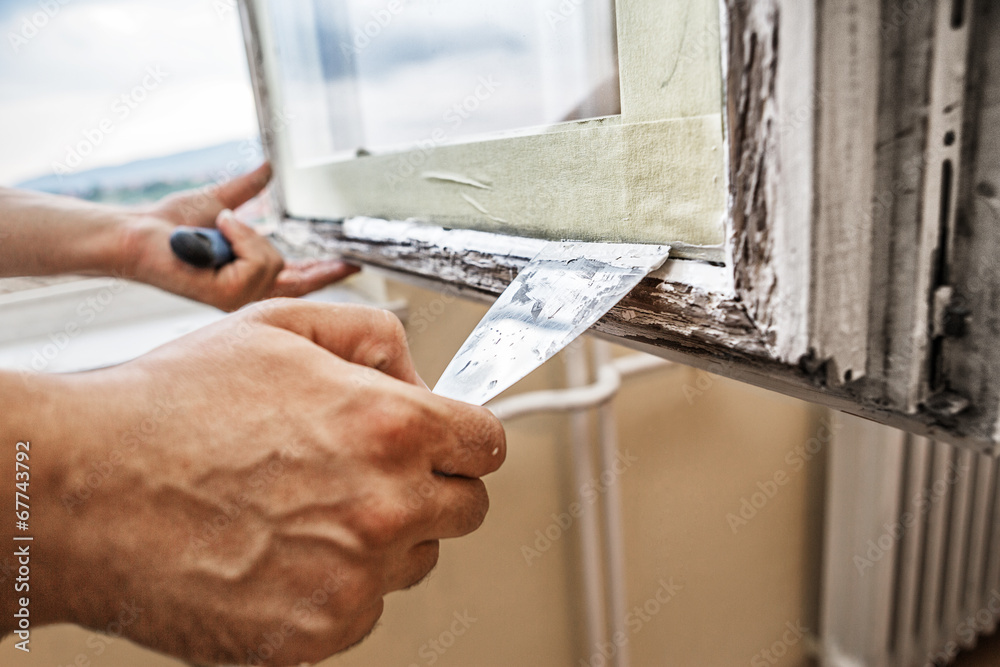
x: 198, y: 166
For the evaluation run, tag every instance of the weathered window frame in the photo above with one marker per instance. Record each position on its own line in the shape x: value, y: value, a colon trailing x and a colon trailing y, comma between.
x: 653, y: 171
x: 839, y: 219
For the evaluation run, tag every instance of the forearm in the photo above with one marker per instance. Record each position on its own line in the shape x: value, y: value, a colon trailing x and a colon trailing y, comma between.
x: 42, y: 234
x: 30, y: 467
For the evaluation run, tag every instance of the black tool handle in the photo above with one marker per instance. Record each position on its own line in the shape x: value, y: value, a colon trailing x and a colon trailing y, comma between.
x: 201, y: 247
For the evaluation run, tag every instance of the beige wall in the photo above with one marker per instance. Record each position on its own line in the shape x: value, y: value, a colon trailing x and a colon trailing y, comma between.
x: 702, y: 444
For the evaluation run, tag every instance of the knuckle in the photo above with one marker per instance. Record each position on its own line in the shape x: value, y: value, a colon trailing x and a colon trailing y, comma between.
x: 364, y: 624
x: 403, y: 424
x: 391, y: 327
x: 339, y: 628
x: 425, y: 558
x: 418, y: 499
x: 360, y: 591
x: 382, y: 339
x: 397, y: 329
x: 382, y: 527
x: 391, y: 435
x: 431, y: 553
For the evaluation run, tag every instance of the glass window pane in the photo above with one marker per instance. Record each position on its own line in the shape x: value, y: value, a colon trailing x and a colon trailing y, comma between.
x: 383, y: 76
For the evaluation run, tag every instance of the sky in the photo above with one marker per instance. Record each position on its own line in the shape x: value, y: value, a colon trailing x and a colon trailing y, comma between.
x: 117, y: 80
x: 356, y: 74
x: 91, y: 83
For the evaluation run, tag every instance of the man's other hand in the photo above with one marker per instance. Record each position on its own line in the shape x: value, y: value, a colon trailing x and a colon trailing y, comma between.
x: 259, y: 272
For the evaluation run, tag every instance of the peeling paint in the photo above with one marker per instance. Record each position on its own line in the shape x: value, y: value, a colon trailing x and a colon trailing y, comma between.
x: 465, y: 240
x: 482, y: 209
x: 454, y: 178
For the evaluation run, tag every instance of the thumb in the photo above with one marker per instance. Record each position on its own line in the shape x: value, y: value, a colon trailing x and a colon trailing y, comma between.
x: 245, y: 241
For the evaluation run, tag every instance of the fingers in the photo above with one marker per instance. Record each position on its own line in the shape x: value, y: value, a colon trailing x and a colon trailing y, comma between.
x: 246, y: 242
x: 459, y: 506
x: 252, y: 275
x: 259, y: 271
x: 359, y: 334
x: 301, y: 278
x: 242, y: 189
x: 479, y: 446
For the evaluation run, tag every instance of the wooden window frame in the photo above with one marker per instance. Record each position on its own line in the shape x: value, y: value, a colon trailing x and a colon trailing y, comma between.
x: 838, y: 218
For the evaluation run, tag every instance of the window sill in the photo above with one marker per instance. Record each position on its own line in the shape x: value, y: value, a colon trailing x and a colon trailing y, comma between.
x: 100, y: 322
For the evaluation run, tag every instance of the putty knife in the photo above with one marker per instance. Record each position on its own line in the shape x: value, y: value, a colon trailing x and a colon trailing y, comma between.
x: 560, y: 294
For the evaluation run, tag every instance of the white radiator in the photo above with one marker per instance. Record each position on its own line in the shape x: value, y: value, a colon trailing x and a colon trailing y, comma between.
x: 911, y: 571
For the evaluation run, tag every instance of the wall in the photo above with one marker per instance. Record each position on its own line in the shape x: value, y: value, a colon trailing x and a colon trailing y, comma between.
x: 701, y: 444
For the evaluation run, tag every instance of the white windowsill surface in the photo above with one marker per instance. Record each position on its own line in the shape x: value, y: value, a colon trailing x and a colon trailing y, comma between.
x: 94, y: 323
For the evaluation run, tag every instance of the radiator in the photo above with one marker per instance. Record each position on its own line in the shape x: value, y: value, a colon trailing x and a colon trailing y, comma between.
x: 911, y: 571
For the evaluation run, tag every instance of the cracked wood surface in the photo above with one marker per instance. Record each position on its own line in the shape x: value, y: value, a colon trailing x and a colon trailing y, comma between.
x: 970, y: 355
x: 657, y: 312
x: 750, y: 86
x: 702, y: 328
x: 770, y: 53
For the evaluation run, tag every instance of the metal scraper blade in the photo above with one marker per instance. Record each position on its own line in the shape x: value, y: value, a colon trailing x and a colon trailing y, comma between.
x: 560, y: 294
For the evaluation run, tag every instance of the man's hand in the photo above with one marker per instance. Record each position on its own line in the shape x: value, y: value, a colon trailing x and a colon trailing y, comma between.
x: 258, y: 272
x: 42, y: 234
x: 250, y: 492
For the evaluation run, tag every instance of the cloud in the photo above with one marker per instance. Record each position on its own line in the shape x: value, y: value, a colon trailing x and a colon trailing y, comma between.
x: 417, y: 68
x: 67, y: 78
x: 385, y: 42
x: 90, y: 45
x: 418, y: 47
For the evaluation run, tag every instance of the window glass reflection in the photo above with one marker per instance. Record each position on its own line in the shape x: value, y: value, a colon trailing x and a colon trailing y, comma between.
x: 386, y: 75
